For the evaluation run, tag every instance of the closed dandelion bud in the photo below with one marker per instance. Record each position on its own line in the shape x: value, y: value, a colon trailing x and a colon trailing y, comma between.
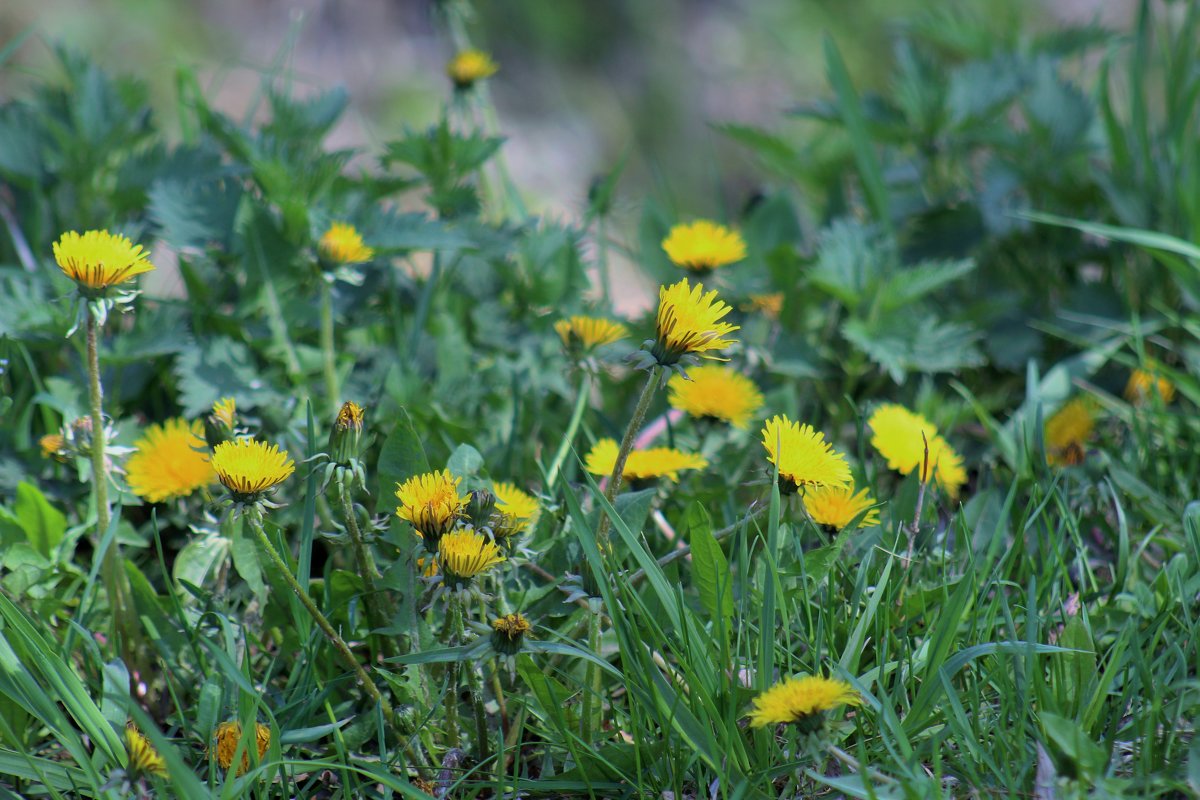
x: 346, y: 434
x: 219, y: 425
x: 480, y: 505
x: 509, y: 632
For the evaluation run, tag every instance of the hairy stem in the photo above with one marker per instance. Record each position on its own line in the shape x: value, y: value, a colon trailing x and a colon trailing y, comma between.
x: 475, y: 686
x: 631, y: 432
x: 377, y: 613
x: 581, y: 401
x: 455, y: 671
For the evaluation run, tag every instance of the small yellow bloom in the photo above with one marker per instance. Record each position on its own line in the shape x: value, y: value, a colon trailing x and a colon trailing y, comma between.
x: 465, y: 553
x: 801, y: 700
x: 427, y: 567
x: 770, y: 305
x: 519, y: 509
x: 837, y: 506
x: 99, y: 259
x: 702, y: 246
x: 656, y: 462
x: 947, y: 466
x: 229, y: 734
x: 897, y: 436
x: 1068, y: 431
x: 431, y: 502
x: 143, y: 758
x: 53, y: 445
x: 688, y: 323
x: 225, y: 411
x: 249, y: 468
x: 580, y: 335
x: 803, y: 456
x: 342, y: 244
x: 1146, y: 383
x: 170, y: 461
x: 469, y: 66
x: 508, y: 632
x: 716, y: 392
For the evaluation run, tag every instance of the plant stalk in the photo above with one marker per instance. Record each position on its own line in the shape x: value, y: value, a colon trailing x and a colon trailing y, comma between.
x: 581, y: 401
x: 631, y: 432
x: 328, y: 361
x: 455, y: 671
x: 474, y: 685
x: 377, y: 613
x: 593, y: 687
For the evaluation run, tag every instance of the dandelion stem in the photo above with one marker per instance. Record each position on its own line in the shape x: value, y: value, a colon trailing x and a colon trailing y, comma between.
x: 591, y: 692
x: 323, y: 623
x: 455, y: 668
x: 581, y: 401
x: 328, y: 362
x: 474, y: 684
x: 377, y: 614
x: 631, y: 432
x: 111, y: 570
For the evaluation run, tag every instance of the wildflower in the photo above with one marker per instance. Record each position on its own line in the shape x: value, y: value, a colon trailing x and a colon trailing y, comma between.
x: 581, y: 335
x: 508, y: 632
x: 170, y: 461
x: 345, y: 436
x: 250, y: 469
x: 769, y: 305
x: 220, y: 424
x: 837, y: 506
x: 702, y: 246
x: 427, y: 567
x: 802, y: 701
x: 343, y: 244
x: 947, y: 466
x: 470, y: 66
x: 97, y: 260
x: 432, y: 504
x: 803, y: 456
x: 899, y: 436
x: 464, y: 554
x: 54, y: 445
x: 143, y: 759
x: 655, y: 462
x: 518, y: 510
x: 688, y: 325
x: 715, y: 392
x: 1145, y: 383
x: 229, y: 734
x: 1067, y: 432
x: 480, y: 505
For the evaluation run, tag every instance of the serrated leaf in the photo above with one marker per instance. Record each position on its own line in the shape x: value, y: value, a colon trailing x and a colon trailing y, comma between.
x: 909, y: 284
x: 195, y: 214
x: 219, y: 367
x: 914, y: 342
x: 851, y: 257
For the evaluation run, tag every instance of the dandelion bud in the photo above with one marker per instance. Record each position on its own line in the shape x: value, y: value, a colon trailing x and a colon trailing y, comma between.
x: 219, y: 425
x: 346, y: 434
x: 508, y: 633
x: 480, y: 505
x: 469, y: 67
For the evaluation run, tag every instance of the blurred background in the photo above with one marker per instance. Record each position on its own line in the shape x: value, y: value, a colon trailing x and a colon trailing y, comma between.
x: 581, y: 84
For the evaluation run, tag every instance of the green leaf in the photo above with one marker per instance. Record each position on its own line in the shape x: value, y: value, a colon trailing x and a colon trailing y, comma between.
x: 1086, y: 758
x: 904, y: 342
x: 219, y: 367
x: 401, y: 457
x: 864, y: 149
x: 910, y: 284
x: 709, y: 566
x: 851, y: 258
x: 465, y: 462
x: 43, y: 523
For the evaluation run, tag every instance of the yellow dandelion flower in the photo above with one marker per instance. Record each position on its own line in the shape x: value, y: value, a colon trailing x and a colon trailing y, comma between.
x: 225, y: 411
x: 519, y: 508
x: 1145, y: 383
x: 897, y: 436
x: 947, y: 466
x: 837, y: 506
x: 580, y: 335
x: 248, y: 467
x: 342, y: 244
x: 229, y: 734
x: 427, y: 567
x: 803, y: 456
x: 465, y: 553
x: 802, y: 701
x: 508, y: 632
x: 143, y: 758
x: 170, y: 461
x: 99, y: 259
x: 716, y: 392
x: 688, y: 323
x: 655, y: 462
x: 702, y: 246
x: 431, y: 502
x: 469, y: 66
x: 769, y: 305
x: 53, y: 445
x: 1068, y: 430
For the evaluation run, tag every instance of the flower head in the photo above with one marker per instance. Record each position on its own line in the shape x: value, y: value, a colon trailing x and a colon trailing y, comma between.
x: 249, y: 468
x: 716, y: 392
x: 225, y: 411
x: 96, y: 260
x: 702, y: 246
x: 802, y: 701
x: 432, y: 503
x: 688, y: 324
x: 803, y: 456
x: 343, y: 244
x: 581, y: 335
x: 470, y: 66
x: 508, y: 632
x: 899, y: 436
x: 170, y: 461
x: 947, y: 466
x: 656, y: 462
x: 219, y: 426
x: 1145, y: 383
x: 229, y: 734
x: 346, y: 434
x: 464, y: 554
x: 54, y: 445
x: 837, y: 506
x: 770, y: 305
x: 1068, y: 430
x: 143, y: 758
x: 518, y: 510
